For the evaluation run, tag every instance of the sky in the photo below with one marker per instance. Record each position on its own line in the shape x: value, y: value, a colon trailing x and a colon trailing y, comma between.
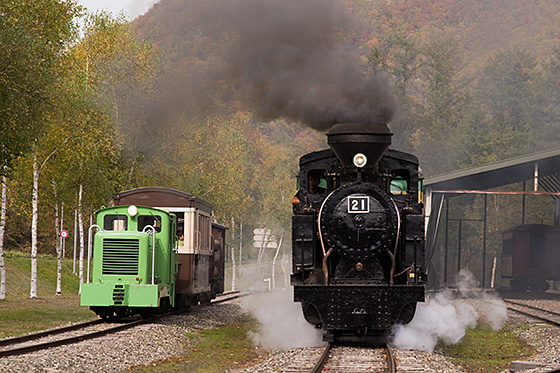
x: 132, y: 8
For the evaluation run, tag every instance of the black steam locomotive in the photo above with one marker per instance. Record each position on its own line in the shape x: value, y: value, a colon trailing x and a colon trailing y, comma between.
x: 358, y: 234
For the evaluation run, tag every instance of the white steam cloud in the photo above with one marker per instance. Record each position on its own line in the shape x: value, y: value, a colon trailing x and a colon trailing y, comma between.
x: 446, y: 318
x: 436, y: 319
x: 282, y: 323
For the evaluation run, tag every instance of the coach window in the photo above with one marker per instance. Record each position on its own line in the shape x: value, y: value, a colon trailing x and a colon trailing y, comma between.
x: 180, y: 232
x: 115, y: 223
x: 153, y: 220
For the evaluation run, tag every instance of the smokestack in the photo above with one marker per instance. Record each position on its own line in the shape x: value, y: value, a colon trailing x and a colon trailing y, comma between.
x: 349, y: 139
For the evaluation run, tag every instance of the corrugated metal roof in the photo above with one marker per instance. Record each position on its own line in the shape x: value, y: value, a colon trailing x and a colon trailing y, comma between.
x: 500, y: 173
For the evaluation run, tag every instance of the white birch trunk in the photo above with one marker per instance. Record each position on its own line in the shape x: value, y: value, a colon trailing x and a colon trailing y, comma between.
x: 62, y: 242
x: 2, y: 227
x: 58, y: 243
x: 35, y: 212
x: 240, y: 247
x: 75, y: 240
x: 81, y: 230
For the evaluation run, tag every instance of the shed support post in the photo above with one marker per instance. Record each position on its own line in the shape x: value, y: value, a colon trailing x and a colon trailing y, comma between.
x: 484, y: 243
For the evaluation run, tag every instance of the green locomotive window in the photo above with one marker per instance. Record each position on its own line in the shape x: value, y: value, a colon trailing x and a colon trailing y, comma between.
x: 115, y: 222
x: 153, y: 220
x: 399, y: 186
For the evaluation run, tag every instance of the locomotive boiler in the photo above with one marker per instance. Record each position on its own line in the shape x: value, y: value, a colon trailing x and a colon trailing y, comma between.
x: 358, y: 234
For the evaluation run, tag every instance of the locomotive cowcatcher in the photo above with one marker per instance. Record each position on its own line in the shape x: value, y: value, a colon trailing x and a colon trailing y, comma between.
x: 358, y: 234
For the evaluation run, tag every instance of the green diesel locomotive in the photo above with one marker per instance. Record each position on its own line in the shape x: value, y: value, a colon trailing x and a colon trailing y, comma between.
x: 146, y: 259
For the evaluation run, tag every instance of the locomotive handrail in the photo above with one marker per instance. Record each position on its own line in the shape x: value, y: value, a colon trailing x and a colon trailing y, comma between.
x: 392, y: 272
x: 176, y: 256
x: 153, y: 232
x: 90, y: 243
x: 325, y: 266
x: 325, y: 253
x: 398, y: 225
x: 319, y: 224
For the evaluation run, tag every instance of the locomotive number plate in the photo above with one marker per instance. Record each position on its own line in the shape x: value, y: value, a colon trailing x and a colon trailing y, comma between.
x: 358, y: 205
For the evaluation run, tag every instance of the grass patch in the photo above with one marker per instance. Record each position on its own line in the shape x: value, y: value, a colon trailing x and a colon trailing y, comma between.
x: 18, y: 275
x: 485, y: 350
x: 21, y: 315
x: 214, y: 350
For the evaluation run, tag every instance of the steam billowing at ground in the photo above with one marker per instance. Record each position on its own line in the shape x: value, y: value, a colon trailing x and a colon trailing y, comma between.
x: 446, y: 316
x: 282, y: 325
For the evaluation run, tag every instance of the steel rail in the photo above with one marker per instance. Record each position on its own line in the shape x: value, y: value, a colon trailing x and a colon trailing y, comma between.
x: 44, y: 333
x: 216, y: 301
x: 238, y: 295
x: 532, y: 307
x: 83, y: 337
x: 391, y: 359
x: 552, y: 322
x: 70, y: 340
x: 322, y: 359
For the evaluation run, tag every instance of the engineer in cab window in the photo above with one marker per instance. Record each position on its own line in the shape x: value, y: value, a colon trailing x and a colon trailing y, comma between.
x: 313, y: 180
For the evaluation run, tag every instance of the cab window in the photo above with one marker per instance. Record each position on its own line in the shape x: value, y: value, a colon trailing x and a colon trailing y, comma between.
x: 115, y: 223
x: 399, y: 186
x: 316, y: 181
x: 153, y: 220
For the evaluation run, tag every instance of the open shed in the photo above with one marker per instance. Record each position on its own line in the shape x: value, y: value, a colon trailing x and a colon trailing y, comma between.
x: 539, y: 173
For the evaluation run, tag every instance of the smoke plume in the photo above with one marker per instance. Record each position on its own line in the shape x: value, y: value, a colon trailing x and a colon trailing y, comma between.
x: 446, y: 316
x: 292, y: 59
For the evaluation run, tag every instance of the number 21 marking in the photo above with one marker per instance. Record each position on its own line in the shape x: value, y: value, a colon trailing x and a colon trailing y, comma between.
x: 358, y: 205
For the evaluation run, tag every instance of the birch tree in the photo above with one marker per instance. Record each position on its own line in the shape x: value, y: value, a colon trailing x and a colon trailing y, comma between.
x: 81, y: 240
x: 37, y: 170
x: 58, y: 242
x: 2, y: 230
x: 33, y: 37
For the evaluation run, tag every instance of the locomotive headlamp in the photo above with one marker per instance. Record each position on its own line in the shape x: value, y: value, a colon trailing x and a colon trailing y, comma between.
x: 132, y: 211
x: 360, y: 160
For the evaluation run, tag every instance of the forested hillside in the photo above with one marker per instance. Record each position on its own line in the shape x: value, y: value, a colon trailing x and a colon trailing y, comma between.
x: 220, y: 98
x: 475, y: 82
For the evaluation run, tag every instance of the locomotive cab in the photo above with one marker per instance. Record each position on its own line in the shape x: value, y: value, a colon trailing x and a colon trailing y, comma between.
x: 358, y: 248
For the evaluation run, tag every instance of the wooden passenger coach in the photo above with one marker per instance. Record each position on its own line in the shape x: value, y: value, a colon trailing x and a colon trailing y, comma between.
x: 201, y: 248
x: 531, y: 256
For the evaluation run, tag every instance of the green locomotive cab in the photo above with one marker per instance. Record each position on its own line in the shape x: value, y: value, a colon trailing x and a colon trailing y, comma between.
x: 133, y: 262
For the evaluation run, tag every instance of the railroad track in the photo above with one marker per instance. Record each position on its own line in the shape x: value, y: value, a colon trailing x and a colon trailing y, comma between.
x: 74, y: 333
x: 538, y: 313
x: 84, y: 331
x: 230, y: 295
x: 355, y: 359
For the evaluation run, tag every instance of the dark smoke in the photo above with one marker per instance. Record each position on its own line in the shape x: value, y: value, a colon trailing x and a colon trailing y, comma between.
x: 292, y: 59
